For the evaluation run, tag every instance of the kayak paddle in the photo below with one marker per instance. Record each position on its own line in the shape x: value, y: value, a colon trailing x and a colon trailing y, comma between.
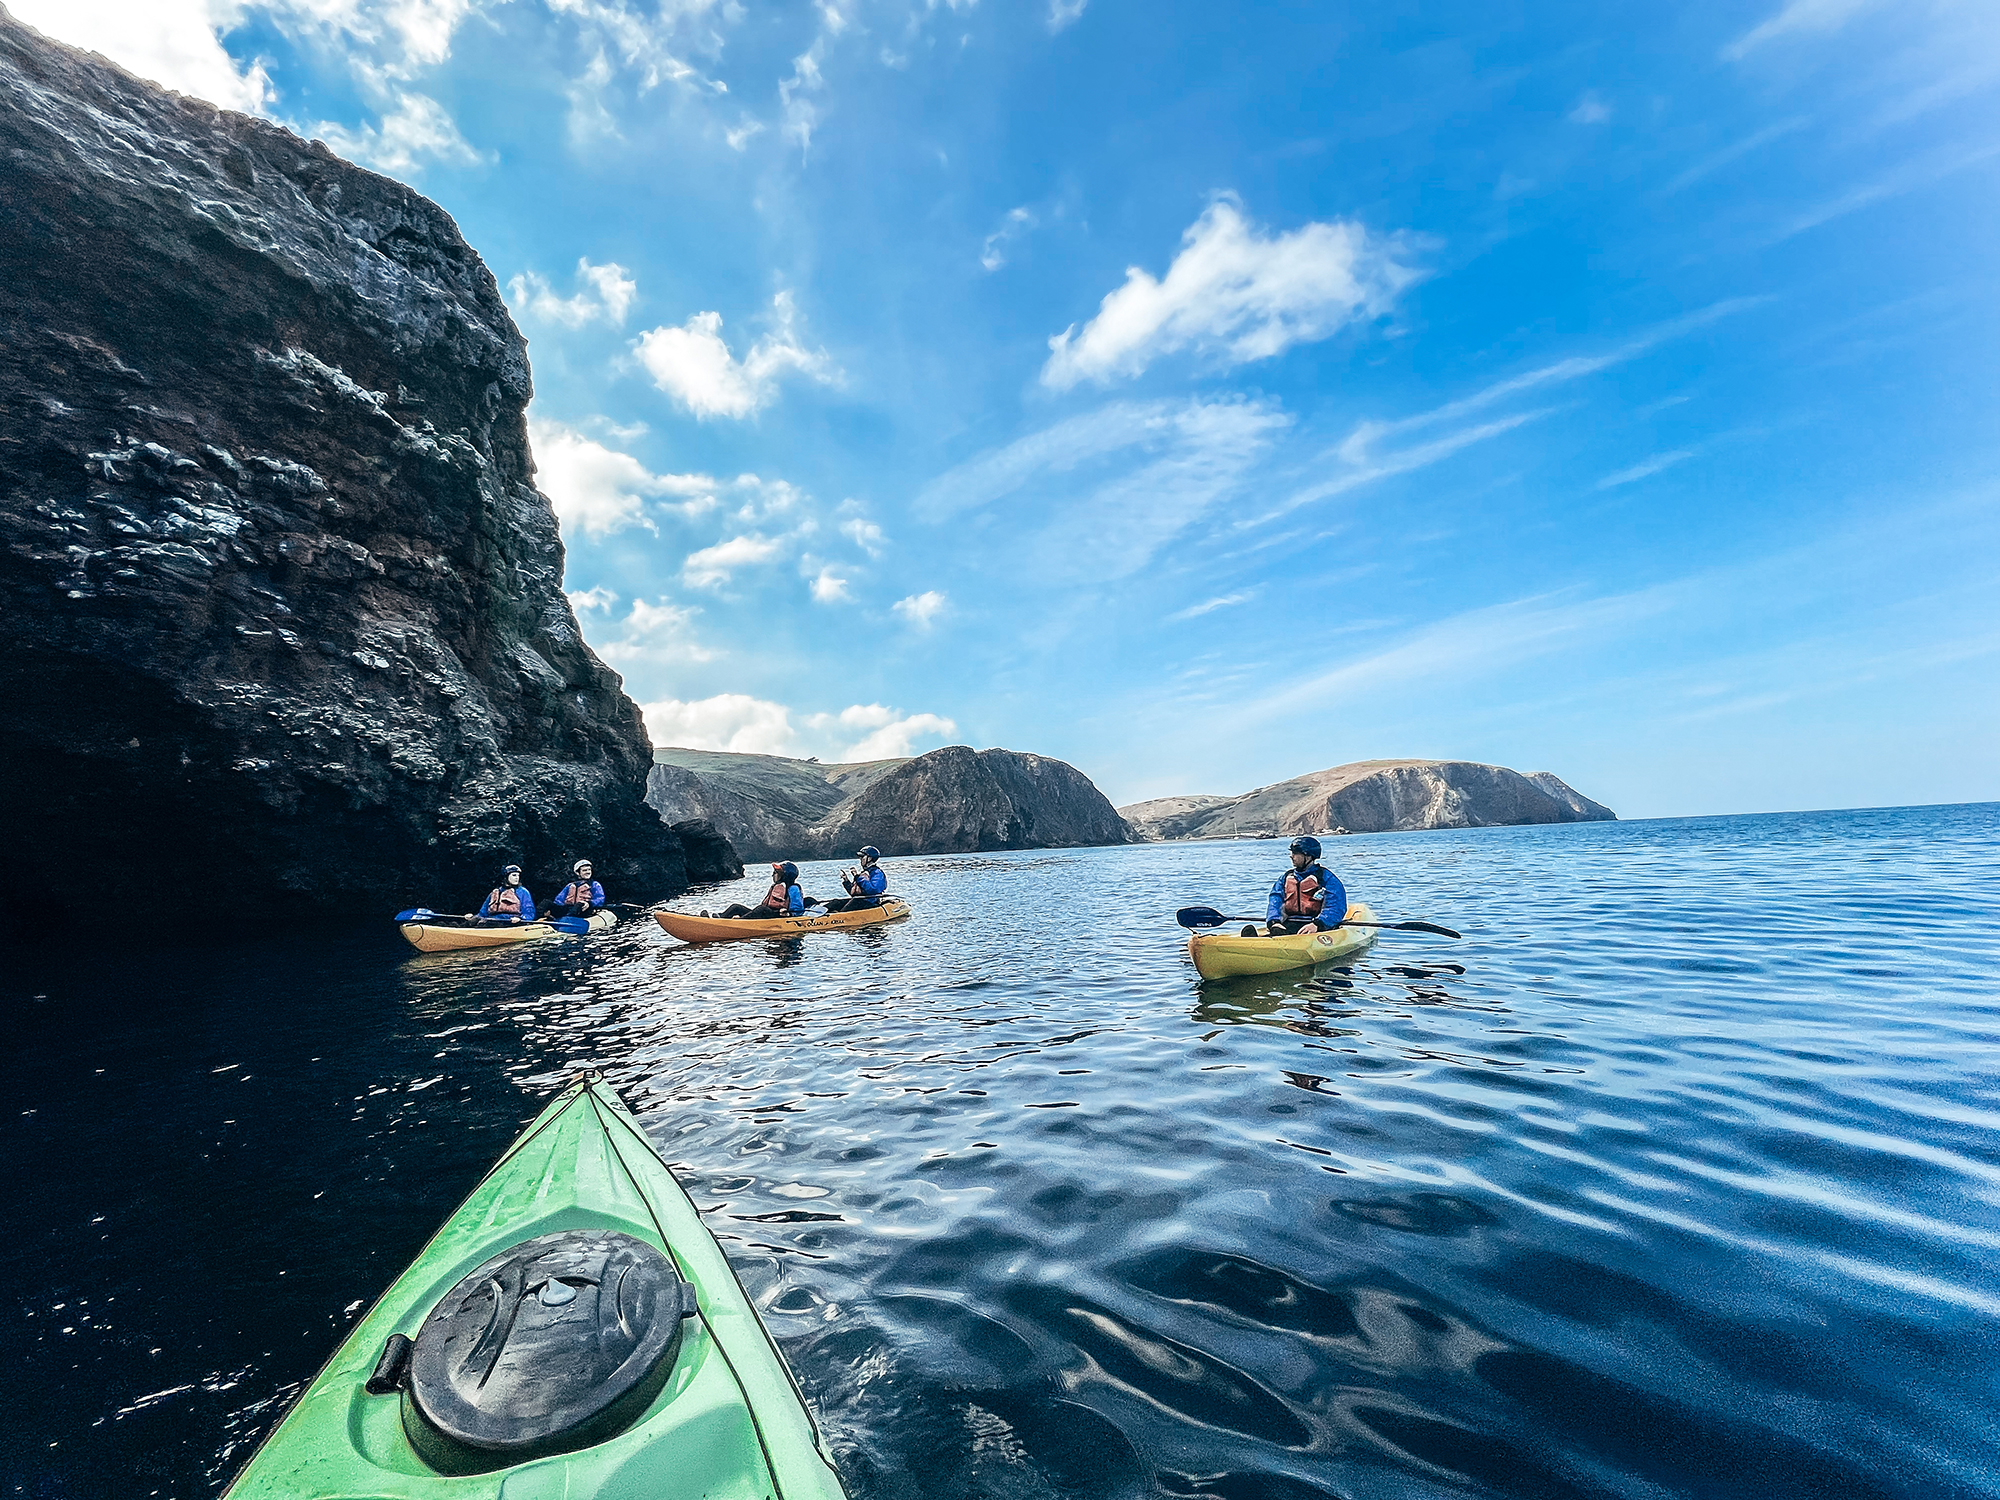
x: 1208, y: 916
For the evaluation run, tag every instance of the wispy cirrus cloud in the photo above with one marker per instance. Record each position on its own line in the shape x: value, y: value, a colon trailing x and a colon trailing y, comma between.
x: 1210, y: 606
x: 1795, y: 18
x: 1128, y: 477
x: 1235, y: 295
x: 1013, y: 224
x: 414, y: 132
x: 1646, y: 468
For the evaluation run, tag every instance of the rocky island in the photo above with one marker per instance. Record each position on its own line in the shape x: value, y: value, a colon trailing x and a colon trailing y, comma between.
x: 1371, y: 796
x: 285, y: 609
x: 953, y: 800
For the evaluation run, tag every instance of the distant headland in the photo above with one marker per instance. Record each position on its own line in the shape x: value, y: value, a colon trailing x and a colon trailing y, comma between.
x: 953, y: 800
x: 1371, y: 796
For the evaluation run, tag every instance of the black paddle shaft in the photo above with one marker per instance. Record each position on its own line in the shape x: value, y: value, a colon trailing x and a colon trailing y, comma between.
x: 1208, y: 916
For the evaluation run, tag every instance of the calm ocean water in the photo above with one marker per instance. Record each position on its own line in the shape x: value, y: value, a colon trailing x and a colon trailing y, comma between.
x: 1687, y: 1184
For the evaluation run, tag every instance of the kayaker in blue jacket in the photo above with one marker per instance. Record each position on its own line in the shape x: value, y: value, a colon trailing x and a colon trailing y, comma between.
x: 784, y: 899
x: 1306, y: 898
x: 509, y: 901
x: 865, y: 886
x: 582, y: 897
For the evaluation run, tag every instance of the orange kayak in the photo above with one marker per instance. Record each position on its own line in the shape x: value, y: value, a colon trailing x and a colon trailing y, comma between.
x: 690, y: 928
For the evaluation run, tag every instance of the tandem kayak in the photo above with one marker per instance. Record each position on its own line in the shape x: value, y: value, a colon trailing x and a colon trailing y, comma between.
x: 1220, y: 955
x: 438, y: 937
x: 573, y: 1332
x: 695, y: 929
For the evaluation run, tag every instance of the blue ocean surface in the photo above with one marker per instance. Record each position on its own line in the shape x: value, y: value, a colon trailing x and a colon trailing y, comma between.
x: 1678, y: 1175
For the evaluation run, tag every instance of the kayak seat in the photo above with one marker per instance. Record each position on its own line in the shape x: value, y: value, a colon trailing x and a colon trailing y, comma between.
x: 555, y: 1344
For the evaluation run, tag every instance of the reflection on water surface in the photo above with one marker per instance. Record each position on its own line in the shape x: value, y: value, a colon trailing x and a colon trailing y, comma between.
x: 1676, y: 1176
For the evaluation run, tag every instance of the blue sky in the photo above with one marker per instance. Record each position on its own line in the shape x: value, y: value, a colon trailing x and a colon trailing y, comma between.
x: 1207, y: 394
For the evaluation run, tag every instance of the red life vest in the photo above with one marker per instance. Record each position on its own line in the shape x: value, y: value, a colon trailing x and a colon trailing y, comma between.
x: 779, y: 898
x: 504, y: 902
x: 1305, y: 897
x: 576, y: 893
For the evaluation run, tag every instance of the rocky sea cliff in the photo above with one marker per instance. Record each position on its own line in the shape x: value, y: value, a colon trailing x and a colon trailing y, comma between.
x: 1372, y: 796
x: 953, y: 800
x: 285, y: 605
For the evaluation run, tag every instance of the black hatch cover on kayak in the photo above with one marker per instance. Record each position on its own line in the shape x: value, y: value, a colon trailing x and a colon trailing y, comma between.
x: 558, y: 1343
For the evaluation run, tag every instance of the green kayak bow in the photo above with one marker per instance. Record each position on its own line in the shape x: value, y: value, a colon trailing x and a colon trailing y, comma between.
x: 573, y: 1332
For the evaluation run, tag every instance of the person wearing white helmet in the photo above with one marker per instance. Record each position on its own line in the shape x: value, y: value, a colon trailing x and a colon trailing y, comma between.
x: 582, y: 896
x: 865, y: 885
x: 1306, y: 898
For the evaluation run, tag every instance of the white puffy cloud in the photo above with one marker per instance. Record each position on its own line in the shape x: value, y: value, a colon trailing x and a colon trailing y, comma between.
x: 920, y: 610
x: 890, y: 734
x: 828, y: 587
x: 591, y: 600
x: 416, y: 130
x: 175, y: 43
x: 757, y: 726
x: 712, y: 566
x: 1236, y: 295
x: 728, y: 721
x: 692, y: 364
x: 599, y: 489
x: 607, y: 294
x: 655, y: 632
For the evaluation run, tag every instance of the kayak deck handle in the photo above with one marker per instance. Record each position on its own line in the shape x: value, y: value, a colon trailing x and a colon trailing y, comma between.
x: 393, y: 1368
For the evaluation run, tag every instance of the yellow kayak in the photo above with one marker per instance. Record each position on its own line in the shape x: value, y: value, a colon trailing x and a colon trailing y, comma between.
x: 430, y: 937
x: 690, y: 928
x: 1225, y: 955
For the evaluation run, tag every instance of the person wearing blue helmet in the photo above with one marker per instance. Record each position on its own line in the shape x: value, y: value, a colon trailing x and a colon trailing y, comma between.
x: 1306, y: 898
x: 865, y: 885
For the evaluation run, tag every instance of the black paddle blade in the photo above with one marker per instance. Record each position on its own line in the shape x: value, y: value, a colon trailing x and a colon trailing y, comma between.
x: 1423, y: 927
x: 1199, y: 916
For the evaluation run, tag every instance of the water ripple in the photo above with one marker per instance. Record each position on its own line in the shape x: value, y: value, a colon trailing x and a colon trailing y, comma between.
x: 1678, y: 1176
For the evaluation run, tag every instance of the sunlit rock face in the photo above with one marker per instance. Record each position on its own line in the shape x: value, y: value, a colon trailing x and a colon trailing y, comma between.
x: 953, y: 800
x: 285, y: 617
x: 1371, y: 796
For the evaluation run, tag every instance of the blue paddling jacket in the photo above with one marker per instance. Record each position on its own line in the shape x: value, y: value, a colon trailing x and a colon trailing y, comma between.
x: 870, y: 882
x: 1303, y: 888
x: 527, y: 903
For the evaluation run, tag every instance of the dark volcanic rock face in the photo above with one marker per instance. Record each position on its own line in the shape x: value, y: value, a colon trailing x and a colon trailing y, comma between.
x: 954, y: 800
x: 284, y: 606
x: 957, y: 800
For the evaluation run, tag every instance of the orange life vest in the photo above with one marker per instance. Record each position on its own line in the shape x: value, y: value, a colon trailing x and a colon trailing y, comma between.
x: 504, y: 902
x: 779, y: 898
x: 1305, y: 897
